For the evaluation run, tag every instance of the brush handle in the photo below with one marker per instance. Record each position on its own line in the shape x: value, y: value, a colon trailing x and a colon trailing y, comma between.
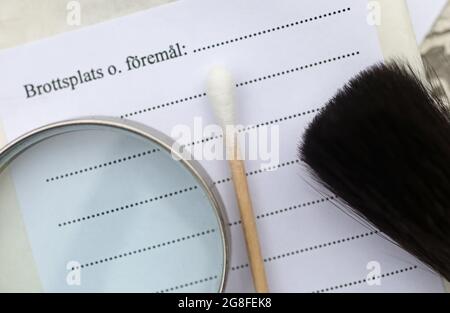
x: 248, y: 219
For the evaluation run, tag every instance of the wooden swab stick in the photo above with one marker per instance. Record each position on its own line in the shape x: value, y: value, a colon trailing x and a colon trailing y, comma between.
x: 221, y: 94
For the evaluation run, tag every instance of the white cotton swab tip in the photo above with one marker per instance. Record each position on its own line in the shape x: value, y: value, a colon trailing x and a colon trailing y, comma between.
x: 221, y: 94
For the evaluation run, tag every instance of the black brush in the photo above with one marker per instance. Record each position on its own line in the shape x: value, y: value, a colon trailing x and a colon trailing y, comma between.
x: 382, y: 145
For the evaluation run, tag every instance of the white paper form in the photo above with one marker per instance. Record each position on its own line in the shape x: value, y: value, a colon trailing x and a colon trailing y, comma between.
x: 288, y: 58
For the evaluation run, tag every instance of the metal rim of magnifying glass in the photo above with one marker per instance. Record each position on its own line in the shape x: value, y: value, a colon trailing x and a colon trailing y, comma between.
x: 8, y: 154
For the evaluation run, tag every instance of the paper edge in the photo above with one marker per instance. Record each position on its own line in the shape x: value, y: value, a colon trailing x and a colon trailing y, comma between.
x: 396, y: 33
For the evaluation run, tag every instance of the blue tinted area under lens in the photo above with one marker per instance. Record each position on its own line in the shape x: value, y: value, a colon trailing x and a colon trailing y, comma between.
x: 117, y: 212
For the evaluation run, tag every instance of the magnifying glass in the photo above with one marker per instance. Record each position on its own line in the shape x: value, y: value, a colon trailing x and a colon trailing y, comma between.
x: 107, y: 205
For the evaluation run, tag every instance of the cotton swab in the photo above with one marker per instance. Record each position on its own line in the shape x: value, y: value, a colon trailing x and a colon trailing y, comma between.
x: 221, y: 94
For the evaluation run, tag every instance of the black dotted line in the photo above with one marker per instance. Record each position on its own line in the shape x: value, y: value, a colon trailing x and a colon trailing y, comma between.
x: 285, y: 210
x: 244, y: 129
x: 308, y: 249
x: 200, y: 141
x: 204, y: 140
x: 164, y: 105
x: 125, y: 207
x: 271, y: 30
x: 259, y: 79
x: 365, y: 280
x: 192, y: 283
x: 167, y: 195
x: 281, y: 119
x: 103, y: 165
x: 297, y: 69
x: 146, y: 249
x: 268, y: 169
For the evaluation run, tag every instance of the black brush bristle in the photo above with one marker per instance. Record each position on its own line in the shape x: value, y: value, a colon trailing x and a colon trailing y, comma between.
x: 382, y: 145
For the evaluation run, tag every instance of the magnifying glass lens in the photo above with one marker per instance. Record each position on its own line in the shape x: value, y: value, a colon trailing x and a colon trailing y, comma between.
x: 93, y: 208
